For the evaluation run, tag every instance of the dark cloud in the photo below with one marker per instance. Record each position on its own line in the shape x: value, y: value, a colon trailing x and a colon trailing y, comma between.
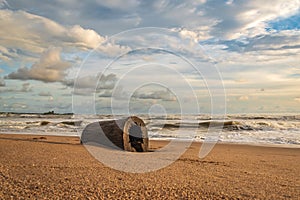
x: 163, y: 95
x: 101, y: 16
x: 99, y: 81
x: 88, y: 85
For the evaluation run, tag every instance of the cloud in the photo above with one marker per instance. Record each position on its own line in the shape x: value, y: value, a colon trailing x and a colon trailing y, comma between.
x: 116, y: 93
x: 106, y: 15
x: 279, y: 48
x: 27, y: 35
x: 100, y: 83
x: 15, y: 106
x: 34, y: 33
x: 189, y: 14
x: 106, y: 94
x: 163, y: 95
x: 50, y: 68
x: 26, y: 87
x: 250, y: 51
x: 84, y: 38
x: 248, y: 19
x: 195, y: 35
x: 198, y: 20
x: 7, y: 54
x: 226, y: 19
x: 282, y: 41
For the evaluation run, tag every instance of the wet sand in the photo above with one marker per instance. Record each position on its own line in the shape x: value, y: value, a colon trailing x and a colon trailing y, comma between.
x: 49, y: 167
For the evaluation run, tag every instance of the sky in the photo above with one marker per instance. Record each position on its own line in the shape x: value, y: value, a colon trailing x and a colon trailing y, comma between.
x: 160, y: 56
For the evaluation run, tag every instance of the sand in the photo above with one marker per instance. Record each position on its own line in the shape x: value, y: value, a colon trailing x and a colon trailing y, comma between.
x: 48, y: 167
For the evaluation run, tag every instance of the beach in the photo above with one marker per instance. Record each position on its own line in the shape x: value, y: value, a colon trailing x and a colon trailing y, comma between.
x: 57, y: 167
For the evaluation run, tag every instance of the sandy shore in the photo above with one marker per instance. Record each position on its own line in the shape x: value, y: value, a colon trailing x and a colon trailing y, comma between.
x: 47, y: 167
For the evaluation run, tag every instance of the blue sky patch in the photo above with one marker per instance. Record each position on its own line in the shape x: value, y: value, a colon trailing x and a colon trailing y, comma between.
x: 291, y: 23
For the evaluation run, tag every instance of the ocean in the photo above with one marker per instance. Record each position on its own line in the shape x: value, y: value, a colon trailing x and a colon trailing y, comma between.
x: 256, y: 129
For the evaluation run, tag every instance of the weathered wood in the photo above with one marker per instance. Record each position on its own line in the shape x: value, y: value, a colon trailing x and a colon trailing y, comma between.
x: 129, y: 134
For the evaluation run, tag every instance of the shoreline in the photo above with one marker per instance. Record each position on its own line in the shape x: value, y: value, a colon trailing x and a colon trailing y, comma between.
x: 292, y: 146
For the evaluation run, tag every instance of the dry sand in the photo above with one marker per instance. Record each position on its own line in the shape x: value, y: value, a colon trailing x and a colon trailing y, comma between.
x: 47, y: 167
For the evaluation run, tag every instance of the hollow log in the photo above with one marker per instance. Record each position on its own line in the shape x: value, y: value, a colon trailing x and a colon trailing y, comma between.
x: 129, y: 134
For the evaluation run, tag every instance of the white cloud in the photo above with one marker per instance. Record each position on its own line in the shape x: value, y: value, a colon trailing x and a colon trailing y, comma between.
x: 26, y: 36
x: 247, y: 19
x: 196, y: 36
x: 34, y: 33
x: 85, y: 38
x: 50, y: 68
x: 278, y: 48
x: 111, y: 49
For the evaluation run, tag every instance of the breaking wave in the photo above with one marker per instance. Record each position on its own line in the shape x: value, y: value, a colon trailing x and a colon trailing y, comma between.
x: 250, y: 129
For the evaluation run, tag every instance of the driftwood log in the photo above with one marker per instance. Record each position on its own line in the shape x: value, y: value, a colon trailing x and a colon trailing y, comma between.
x: 129, y: 134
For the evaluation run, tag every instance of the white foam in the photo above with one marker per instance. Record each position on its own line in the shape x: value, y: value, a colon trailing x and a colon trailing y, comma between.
x: 248, y: 129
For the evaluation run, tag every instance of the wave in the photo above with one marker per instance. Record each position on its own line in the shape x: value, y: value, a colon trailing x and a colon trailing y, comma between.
x: 41, y: 125
x: 225, y: 125
x: 265, y: 117
x: 274, y: 129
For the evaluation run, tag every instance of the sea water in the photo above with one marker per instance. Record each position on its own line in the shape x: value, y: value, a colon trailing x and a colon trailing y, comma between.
x: 255, y: 129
